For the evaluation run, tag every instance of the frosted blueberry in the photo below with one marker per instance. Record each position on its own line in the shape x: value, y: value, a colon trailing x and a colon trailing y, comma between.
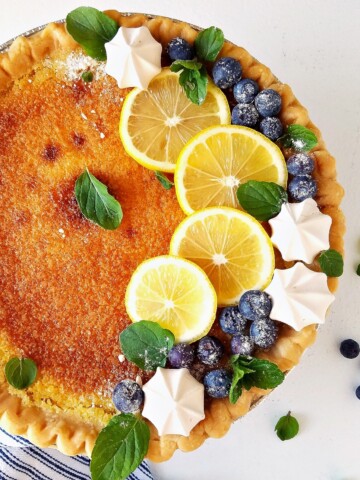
x: 217, y: 383
x: 182, y: 355
x: 226, y: 72
x: 242, y: 345
x: 231, y: 321
x: 300, y: 164
x: 255, y: 304
x: 180, y: 49
x: 302, y: 187
x: 245, y: 114
x: 128, y: 396
x: 245, y: 91
x: 268, y: 103
x: 264, y: 332
x: 210, y: 350
x: 271, y: 127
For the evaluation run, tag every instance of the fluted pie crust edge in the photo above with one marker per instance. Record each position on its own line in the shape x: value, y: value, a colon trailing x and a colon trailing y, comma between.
x: 66, y: 431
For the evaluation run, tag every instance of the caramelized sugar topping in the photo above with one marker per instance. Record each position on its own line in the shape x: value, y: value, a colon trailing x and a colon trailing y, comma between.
x: 62, y: 278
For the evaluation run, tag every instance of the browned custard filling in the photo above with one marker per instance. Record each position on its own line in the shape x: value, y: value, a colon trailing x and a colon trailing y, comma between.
x: 62, y: 278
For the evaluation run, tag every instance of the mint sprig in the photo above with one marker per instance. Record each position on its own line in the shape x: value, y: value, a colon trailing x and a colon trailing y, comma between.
x: 96, y: 203
x: 91, y: 28
x: 146, y: 344
x: 208, y: 44
x: 298, y: 138
x: 263, y: 200
x: 193, y: 76
x: 120, y: 448
x: 253, y: 372
x: 163, y: 179
x: 20, y: 372
x: 287, y: 427
x: 331, y: 263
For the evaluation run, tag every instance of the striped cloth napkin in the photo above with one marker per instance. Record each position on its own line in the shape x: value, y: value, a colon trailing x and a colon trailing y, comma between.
x: 21, y: 460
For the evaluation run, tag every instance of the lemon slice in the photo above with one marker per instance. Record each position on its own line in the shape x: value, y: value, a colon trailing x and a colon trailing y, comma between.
x: 175, y: 293
x: 230, y: 246
x: 216, y: 161
x: 156, y: 123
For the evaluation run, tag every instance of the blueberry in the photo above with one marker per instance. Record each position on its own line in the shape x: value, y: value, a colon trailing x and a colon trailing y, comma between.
x: 255, y: 304
x: 180, y: 49
x: 226, y: 72
x: 128, y: 396
x: 242, y: 345
x: 245, y: 114
x: 271, y: 127
x: 217, y: 383
x: 210, y: 350
x: 302, y: 187
x: 231, y: 321
x: 268, y: 103
x: 357, y: 392
x: 264, y: 332
x: 245, y: 91
x: 182, y: 355
x: 349, y: 348
x: 300, y: 164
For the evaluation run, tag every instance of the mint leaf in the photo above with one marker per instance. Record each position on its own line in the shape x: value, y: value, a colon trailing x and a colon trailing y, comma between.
x: 193, y: 78
x: 299, y: 138
x: 239, y: 370
x: 208, y: 43
x: 165, y: 182
x: 120, y: 448
x: 20, y: 372
x: 87, y: 76
x: 92, y: 29
x: 252, y: 372
x: 265, y: 374
x: 194, y: 83
x: 287, y: 427
x: 263, y: 200
x: 180, y: 65
x: 235, y: 390
x: 331, y: 263
x: 95, y: 203
x: 146, y: 344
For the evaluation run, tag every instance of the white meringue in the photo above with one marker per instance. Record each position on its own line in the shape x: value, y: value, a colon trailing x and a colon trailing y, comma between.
x: 300, y: 296
x: 174, y: 401
x: 301, y: 231
x: 133, y: 57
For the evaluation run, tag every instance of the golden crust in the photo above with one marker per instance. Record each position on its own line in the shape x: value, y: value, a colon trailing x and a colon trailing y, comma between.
x: 46, y: 426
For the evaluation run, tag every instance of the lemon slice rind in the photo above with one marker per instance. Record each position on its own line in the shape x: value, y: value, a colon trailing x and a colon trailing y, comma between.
x: 201, y: 253
x: 188, y: 125
x: 215, y: 180
x: 151, y: 283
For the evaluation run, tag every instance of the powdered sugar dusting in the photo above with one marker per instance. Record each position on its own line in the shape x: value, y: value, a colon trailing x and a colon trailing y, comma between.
x: 75, y: 64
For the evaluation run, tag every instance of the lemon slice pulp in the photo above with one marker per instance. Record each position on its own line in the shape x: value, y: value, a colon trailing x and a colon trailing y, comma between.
x: 175, y: 293
x: 156, y: 123
x: 230, y: 246
x: 217, y: 160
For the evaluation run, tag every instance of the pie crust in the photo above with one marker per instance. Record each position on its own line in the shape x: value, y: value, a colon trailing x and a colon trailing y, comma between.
x: 75, y: 433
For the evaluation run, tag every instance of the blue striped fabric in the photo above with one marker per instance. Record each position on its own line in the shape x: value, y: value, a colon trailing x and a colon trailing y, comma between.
x: 21, y: 460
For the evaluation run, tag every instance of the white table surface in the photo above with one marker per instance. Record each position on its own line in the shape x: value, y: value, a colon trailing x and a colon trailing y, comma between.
x: 313, y: 46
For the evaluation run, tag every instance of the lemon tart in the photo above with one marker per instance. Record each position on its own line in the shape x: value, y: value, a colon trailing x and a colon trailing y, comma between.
x: 63, y: 279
